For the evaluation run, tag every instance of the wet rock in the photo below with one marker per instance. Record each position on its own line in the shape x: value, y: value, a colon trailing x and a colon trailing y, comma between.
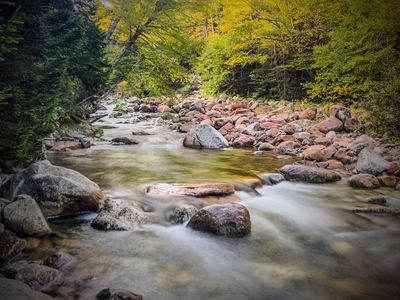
x: 334, y: 164
x: 379, y: 200
x: 185, y: 128
x: 229, y: 220
x: 118, y: 294
x: 124, y: 140
x: 318, y: 153
x: 24, y: 215
x: 191, y: 190
x: 118, y: 215
x: 17, y: 290
x: 57, y: 190
x: 371, y: 162
x: 386, y: 180
x: 272, y: 179
x: 366, y: 181
x: 243, y: 141
x: 331, y: 124
x: 10, y: 245
x: 266, y: 147
x: 288, y: 147
x: 38, y: 277
x: 181, y: 213
x: 59, y: 260
x: 205, y: 136
x: 308, y: 174
x: 253, y: 182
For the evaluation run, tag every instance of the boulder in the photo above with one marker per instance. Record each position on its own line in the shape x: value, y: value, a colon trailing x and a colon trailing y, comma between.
x: 291, y: 128
x: 38, y: 277
x: 308, y: 174
x: 118, y: 215
x: 14, y: 289
x: 3, y: 203
x: 229, y: 220
x: 24, y: 216
x: 318, y: 153
x: 179, y: 214
x: 371, y: 162
x: 124, y: 140
x: 272, y: 179
x: 387, y: 180
x: 366, y: 181
x: 191, y: 190
x: 117, y: 294
x: 379, y: 200
x: 10, y: 245
x: 343, y: 114
x: 205, y: 136
x: 330, y: 124
x: 350, y: 125
x: 58, y: 190
x: 244, y: 141
x: 287, y: 148
x: 334, y: 164
x: 66, y: 145
x: 266, y: 147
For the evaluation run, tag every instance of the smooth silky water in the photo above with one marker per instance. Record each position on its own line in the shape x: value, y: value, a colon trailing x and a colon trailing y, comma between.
x: 304, y: 243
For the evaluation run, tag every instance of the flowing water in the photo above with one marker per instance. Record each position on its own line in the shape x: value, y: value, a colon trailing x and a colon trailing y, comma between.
x: 304, y: 243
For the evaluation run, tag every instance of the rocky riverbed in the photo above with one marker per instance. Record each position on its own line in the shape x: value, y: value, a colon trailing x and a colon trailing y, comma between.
x: 205, y: 199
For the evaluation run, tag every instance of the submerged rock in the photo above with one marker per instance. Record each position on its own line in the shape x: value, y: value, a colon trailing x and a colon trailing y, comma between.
x: 308, y: 174
x: 57, y: 190
x: 14, y: 289
x: 205, y: 136
x: 191, y: 190
x: 181, y: 213
x: 117, y: 294
x: 272, y: 179
x: 230, y: 220
x: 59, y: 260
x: 125, y: 140
x: 118, y: 215
x: 23, y: 215
x: 38, y: 277
x: 371, y: 162
x: 366, y: 181
x: 10, y: 245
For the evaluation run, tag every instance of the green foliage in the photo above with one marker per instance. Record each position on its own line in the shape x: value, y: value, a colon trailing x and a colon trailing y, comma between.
x: 56, y: 63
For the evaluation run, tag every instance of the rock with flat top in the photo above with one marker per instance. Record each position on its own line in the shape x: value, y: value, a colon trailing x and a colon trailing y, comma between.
x: 229, y: 220
x: 16, y: 290
x: 191, y: 190
x: 308, y: 174
x: 371, y: 162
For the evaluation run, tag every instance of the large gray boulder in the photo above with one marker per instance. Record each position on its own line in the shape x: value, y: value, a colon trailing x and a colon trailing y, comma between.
x: 58, y: 190
x: 38, y: 277
x: 308, y: 174
x: 229, y: 220
x: 205, y: 136
x: 371, y: 162
x: 118, y: 215
x: 23, y: 215
x: 3, y: 203
x: 14, y: 289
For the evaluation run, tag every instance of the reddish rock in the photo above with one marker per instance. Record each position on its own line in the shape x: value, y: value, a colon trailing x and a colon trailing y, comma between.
x: 254, y: 106
x: 386, y: 180
x: 288, y: 147
x: 334, y: 109
x: 237, y: 105
x: 244, y: 141
x: 331, y: 124
x: 213, y: 114
x: 273, y: 132
x: 64, y: 145
x: 242, y: 111
x: 241, y: 127
x: 334, y: 164
x: 164, y: 109
x: 361, y: 142
x: 206, y: 122
x: 309, y: 113
x: 191, y: 190
x: 315, y: 132
x: 266, y: 147
x: 350, y: 125
x: 301, y: 136
x: 219, y: 107
x: 201, y: 116
x: 323, y: 141
x: 318, y: 153
x: 228, y: 127
x: 219, y: 123
x: 394, y: 169
x: 269, y: 125
x: 242, y: 120
x: 366, y: 181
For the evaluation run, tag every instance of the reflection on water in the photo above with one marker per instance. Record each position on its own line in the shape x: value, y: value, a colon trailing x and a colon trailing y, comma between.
x: 303, y: 245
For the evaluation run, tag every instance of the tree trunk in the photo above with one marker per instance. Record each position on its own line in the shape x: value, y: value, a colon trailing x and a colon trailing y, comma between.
x: 111, y: 30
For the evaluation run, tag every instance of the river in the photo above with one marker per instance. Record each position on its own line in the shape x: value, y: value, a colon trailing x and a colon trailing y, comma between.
x: 304, y: 243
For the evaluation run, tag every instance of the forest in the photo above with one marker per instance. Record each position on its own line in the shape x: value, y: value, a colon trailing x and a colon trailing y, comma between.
x: 313, y: 52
